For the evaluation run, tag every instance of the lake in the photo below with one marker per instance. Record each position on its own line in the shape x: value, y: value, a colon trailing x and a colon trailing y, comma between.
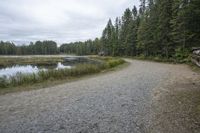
x: 28, y: 69
x: 29, y: 65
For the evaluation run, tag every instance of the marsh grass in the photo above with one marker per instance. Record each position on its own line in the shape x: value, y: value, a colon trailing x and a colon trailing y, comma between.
x: 4, y: 61
x: 60, y: 74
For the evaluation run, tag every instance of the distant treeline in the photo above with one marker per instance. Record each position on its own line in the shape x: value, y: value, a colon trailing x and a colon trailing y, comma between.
x: 50, y: 47
x: 159, y: 28
x: 88, y: 47
x: 37, y: 48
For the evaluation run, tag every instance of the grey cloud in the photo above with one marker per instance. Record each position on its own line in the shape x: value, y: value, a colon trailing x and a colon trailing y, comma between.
x: 23, y: 21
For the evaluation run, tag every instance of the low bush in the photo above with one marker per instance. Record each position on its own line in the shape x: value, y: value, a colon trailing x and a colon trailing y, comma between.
x: 164, y: 59
x: 3, y: 82
x: 114, y: 62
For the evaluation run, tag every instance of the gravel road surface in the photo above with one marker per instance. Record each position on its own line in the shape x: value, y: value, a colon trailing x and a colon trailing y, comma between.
x: 122, y: 101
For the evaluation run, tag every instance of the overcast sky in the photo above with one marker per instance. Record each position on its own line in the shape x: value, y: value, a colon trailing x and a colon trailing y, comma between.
x: 59, y: 20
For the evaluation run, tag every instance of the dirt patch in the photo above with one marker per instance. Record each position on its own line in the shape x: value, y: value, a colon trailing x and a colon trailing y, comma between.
x: 176, y: 107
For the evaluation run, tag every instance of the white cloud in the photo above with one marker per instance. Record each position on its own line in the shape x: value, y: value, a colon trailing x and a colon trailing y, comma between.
x: 59, y: 20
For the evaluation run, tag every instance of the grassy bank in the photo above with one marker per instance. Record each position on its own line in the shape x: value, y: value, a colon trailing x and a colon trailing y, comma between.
x: 24, y: 80
x: 8, y: 61
x: 162, y: 59
x: 169, y: 60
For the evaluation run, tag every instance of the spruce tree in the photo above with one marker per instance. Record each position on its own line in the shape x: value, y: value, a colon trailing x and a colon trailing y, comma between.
x: 164, y: 27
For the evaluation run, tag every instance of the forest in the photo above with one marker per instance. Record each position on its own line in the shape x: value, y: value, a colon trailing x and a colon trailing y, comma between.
x: 165, y: 29
x: 39, y: 48
x: 159, y: 28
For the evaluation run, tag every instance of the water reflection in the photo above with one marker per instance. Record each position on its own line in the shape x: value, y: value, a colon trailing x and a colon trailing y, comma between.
x: 28, y: 69
x: 62, y: 66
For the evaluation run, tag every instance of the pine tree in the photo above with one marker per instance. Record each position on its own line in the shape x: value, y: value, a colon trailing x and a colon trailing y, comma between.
x: 164, y: 27
x: 142, y: 37
x: 127, y: 35
x: 186, y: 23
x: 116, y: 32
x: 108, y: 38
x: 151, y: 31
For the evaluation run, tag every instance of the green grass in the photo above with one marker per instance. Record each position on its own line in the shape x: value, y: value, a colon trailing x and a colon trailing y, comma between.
x: 23, y: 80
x: 8, y: 61
x: 194, y: 67
x: 187, y: 61
x: 161, y: 59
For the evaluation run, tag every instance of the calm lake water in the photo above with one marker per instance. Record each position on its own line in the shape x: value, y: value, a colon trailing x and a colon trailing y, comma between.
x: 28, y: 69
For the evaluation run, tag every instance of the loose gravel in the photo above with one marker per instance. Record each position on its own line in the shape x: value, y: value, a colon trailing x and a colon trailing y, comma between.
x: 115, y: 102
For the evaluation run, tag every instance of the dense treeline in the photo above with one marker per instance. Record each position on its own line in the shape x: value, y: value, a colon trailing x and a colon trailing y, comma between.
x: 164, y: 28
x: 88, y: 47
x: 43, y: 48
x: 50, y: 47
x: 159, y: 28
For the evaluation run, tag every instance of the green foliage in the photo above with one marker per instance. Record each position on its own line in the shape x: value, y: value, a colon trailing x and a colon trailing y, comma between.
x: 108, y: 37
x: 182, y: 54
x: 39, y: 48
x: 7, y: 48
x: 3, y: 82
x: 159, y: 30
x: 113, y: 62
x: 41, y: 76
x: 185, y: 23
x: 88, y: 47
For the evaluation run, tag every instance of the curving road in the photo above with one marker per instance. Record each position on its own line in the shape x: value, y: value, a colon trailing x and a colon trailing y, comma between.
x: 116, y: 102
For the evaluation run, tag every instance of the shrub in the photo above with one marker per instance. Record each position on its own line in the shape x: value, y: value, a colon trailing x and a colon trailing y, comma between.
x: 3, y: 82
x: 114, y: 62
x: 182, y: 55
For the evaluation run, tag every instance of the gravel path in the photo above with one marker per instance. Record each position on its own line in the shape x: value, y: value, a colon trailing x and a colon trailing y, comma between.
x: 119, y: 101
